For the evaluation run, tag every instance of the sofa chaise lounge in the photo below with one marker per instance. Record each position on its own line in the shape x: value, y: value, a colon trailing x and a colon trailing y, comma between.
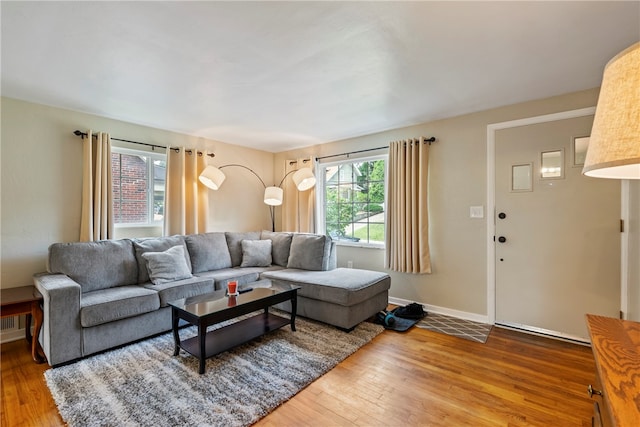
x: 99, y: 295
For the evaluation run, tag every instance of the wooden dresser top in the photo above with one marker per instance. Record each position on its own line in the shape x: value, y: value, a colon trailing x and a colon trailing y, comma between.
x: 616, y: 349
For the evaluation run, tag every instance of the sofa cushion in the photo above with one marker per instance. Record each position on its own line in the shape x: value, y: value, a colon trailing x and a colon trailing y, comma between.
x: 179, y: 289
x: 156, y: 244
x: 208, y: 251
x: 95, y: 265
x: 280, y: 246
x: 241, y: 275
x: 256, y: 253
x: 310, y: 252
x: 342, y: 286
x: 234, y: 243
x: 107, y: 305
x: 167, y: 266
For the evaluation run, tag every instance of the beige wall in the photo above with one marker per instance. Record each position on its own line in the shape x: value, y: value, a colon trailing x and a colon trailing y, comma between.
x: 41, y: 179
x: 458, y: 181
x: 41, y: 182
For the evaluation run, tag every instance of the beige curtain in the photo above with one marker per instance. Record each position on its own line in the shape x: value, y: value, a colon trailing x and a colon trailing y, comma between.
x: 96, y: 221
x: 186, y: 203
x: 407, y: 231
x: 298, y: 207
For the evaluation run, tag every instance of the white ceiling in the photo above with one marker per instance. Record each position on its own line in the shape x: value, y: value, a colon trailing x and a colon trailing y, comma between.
x: 281, y: 75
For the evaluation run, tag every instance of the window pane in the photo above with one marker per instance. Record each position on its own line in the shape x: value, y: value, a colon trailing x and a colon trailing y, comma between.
x: 138, y: 187
x: 354, y: 201
x: 133, y: 182
x: 359, y: 211
x: 344, y: 194
x: 159, y: 177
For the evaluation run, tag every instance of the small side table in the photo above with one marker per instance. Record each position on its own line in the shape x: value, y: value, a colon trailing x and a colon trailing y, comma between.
x: 25, y: 300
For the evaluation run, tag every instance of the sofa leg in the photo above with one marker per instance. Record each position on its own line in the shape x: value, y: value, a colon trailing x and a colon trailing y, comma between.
x: 345, y: 329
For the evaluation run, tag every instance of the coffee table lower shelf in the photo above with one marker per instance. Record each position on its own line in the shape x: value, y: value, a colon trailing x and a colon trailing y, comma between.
x: 228, y: 337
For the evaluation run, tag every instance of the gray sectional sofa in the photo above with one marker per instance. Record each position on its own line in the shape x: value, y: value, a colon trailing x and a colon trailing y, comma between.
x: 99, y: 295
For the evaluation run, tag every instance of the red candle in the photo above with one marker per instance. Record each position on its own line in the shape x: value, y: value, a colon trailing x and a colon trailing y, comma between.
x: 232, y: 287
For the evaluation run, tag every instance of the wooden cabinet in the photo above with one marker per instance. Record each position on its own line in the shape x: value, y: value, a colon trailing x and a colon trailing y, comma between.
x: 616, y: 350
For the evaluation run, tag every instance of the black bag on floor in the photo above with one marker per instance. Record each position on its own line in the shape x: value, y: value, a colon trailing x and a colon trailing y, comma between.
x: 411, y: 311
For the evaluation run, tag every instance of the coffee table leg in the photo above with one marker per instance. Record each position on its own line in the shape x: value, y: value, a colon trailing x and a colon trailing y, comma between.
x: 202, y: 334
x: 176, y: 337
x: 294, y: 309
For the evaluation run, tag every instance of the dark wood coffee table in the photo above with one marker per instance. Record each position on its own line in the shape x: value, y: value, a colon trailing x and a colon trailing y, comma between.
x: 206, y: 310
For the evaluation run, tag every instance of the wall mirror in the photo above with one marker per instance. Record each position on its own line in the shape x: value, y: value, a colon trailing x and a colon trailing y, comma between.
x: 580, y: 145
x: 521, y: 177
x: 552, y: 164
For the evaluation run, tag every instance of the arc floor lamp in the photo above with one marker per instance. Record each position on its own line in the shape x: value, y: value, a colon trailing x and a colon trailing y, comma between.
x: 303, y: 178
x: 614, y: 145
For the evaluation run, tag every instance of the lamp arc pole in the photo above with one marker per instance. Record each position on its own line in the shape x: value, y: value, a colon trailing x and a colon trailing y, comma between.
x: 285, y: 177
x: 304, y: 179
x: 271, y: 208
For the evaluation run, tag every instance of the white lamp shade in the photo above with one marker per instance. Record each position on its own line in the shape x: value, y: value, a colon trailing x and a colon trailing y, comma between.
x: 304, y: 179
x: 614, y: 144
x: 273, y: 196
x: 212, y: 177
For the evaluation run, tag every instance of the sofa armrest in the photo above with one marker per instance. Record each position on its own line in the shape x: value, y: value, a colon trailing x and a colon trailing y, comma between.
x: 61, y: 334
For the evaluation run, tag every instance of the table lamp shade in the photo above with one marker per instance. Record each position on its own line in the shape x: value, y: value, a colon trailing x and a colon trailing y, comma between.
x: 614, y: 144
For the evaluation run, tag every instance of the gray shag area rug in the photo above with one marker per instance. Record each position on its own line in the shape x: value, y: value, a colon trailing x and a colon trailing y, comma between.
x: 143, y: 384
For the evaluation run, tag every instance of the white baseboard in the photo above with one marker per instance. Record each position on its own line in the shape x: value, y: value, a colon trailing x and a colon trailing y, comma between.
x: 12, y: 335
x: 547, y: 333
x: 474, y: 317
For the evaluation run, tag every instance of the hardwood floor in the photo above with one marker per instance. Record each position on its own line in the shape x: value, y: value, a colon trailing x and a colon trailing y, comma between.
x: 418, y: 378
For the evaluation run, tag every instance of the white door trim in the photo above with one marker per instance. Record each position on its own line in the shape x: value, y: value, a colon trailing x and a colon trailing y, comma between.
x: 624, y: 248
x: 491, y: 190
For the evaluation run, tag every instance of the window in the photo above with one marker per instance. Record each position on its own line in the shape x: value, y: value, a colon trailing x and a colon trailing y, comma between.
x: 138, y: 187
x: 353, y: 194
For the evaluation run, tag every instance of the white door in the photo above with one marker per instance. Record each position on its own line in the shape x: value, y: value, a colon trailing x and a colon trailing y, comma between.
x: 557, y: 248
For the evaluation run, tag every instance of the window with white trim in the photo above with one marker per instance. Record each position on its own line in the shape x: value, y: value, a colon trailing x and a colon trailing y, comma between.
x: 352, y: 194
x: 138, y: 179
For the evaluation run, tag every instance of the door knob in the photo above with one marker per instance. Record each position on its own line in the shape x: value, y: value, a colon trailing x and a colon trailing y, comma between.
x: 502, y: 239
x: 502, y: 215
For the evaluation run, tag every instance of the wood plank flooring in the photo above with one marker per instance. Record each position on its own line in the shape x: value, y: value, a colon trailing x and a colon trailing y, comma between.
x: 418, y: 378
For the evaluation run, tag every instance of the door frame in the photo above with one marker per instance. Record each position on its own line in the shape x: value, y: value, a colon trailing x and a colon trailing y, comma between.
x: 491, y: 204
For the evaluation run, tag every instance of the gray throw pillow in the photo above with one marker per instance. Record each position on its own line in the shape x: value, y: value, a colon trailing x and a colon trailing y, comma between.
x: 156, y: 244
x: 235, y: 246
x: 167, y: 266
x: 256, y: 253
x: 209, y: 251
x: 280, y: 246
x: 310, y: 252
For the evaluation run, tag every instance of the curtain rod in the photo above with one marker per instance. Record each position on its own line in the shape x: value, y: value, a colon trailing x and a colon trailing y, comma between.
x: 153, y: 146
x: 426, y: 141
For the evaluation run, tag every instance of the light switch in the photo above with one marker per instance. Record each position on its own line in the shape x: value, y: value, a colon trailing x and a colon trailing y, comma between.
x: 476, y: 212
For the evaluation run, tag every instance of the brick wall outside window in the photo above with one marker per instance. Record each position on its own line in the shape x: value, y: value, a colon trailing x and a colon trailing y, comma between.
x: 130, y: 186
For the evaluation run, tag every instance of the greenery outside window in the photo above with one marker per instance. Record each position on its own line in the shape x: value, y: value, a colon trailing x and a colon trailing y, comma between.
x: 138, y: 187
x: 353, y: 200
